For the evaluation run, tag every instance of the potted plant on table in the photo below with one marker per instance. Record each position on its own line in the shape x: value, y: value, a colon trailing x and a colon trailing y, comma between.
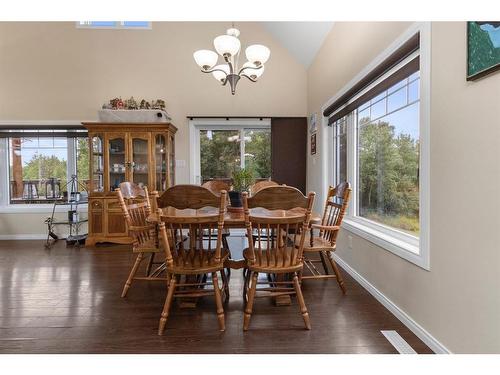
x: 242, y: 179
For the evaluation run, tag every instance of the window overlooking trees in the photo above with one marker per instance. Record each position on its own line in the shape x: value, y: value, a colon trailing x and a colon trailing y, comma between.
x: 224, y: 151
x: 36, y: 161
x: 386, y: 156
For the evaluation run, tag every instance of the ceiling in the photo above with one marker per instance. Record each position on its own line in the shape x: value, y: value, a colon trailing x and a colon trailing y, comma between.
x: 302, y: 39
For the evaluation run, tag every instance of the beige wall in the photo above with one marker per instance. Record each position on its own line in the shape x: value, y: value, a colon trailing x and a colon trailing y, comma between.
x: 55, y: 71
x: 458, y: 300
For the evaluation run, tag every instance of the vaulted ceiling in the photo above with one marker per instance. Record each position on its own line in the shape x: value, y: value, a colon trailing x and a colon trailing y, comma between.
x: 302, y: 39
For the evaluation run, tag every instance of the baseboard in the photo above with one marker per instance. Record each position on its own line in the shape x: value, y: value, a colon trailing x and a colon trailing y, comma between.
x: 23, y: 237
x: 413, y: 326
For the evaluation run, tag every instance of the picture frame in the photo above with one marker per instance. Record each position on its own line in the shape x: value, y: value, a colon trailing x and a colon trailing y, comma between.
x: 313, y: 144
x: 483, y: 48
x: 312, y: 123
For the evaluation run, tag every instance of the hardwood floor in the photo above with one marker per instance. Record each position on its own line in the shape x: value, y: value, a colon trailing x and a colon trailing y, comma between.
x: 67, y: 300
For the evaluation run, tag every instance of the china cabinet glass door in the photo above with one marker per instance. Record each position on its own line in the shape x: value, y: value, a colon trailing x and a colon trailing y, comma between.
x: 117, y: 160
x: 140, y: 160
x: 171, y: 158
x: 97, y: 166
x: 161, y: 162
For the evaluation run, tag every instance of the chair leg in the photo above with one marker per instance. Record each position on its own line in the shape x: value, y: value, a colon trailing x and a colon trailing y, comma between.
x: 225, y: 245
x: 323, y: 261
x: 246, y: 281
x: 168, y: 304
x: 336, y: 270
x: 302, y: 304
x: 251, y: 297
x: 150, y: 264
x: 225, y: 285
x: 138, y: 261
x: 218, y: 301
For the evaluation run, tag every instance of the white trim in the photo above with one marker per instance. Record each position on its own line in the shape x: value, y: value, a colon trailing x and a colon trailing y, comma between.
x: 41, y: 208
x: 222, y: 123
x: 5, y: 237
x: 42, y: 123
x: 412, y: 325
x: 374, y: 233
x: 5, y: 206
x: 4, y: 172
x: 386, y: 240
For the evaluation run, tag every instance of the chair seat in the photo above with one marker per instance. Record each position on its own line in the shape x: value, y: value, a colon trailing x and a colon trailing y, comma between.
x: 271, y: 268
x: 149, y: 246
x: 195, y: 266
x: 319, y: 244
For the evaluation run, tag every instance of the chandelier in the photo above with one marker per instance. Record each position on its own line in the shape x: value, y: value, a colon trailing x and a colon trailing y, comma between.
x: 228, y: 46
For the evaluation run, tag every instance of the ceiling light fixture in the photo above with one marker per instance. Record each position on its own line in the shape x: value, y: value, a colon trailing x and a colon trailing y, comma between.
x: 229, y: 46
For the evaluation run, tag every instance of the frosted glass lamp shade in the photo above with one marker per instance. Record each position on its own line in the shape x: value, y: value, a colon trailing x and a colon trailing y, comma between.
x: 257, y: 54
x: 227, y: 44
x: 221, y: 76
x: 205, y: 58
x: 252, y: 73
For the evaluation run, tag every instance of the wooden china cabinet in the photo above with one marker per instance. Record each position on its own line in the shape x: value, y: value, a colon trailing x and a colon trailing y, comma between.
x: 143, y: 153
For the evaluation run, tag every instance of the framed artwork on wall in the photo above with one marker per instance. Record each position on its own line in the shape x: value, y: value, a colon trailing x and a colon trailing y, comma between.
x: 313, y: 144
x: 312, y: 123
x: 483, y: 48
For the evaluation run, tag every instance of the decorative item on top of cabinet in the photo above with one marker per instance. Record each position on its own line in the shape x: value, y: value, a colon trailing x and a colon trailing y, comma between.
x: 143, y: 153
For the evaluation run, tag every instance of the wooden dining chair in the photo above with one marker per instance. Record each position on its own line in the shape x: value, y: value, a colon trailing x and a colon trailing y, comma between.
x: 188, y: 262
x: 133, y: 193
x: 216, y: 186
x: 279, y: 257
x: 145, y: 240
x: 258, y: 186
x: 324, y: 243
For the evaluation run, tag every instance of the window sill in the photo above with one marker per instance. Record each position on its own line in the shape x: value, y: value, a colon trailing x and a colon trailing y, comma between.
x: 406, y: 249
x: 37, y: 208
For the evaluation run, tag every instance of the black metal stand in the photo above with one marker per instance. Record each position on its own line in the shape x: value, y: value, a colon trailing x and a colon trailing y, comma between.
x: 74, y: 221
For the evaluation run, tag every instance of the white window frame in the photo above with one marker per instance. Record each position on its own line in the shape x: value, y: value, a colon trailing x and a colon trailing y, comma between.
x: 5, y: 205
x: 119, y: 25
x: 197, y: 124
x: 413, y: 249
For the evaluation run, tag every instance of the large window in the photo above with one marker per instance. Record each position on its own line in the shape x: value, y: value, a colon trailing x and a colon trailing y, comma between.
x: 388, y: 157
x: 386, y: 154
x: 380, y: 144
x: 114, y: 24
x: 41, y: 164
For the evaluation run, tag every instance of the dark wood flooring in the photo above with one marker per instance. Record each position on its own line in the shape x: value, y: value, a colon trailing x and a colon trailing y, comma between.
x: 67, y: 300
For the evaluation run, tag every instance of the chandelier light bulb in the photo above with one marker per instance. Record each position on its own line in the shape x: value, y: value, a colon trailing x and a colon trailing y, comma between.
x: 257, y: 54
x: 227, y: 45
x: 218, y: 75
x: 205, y: 58
x: 252, y: 73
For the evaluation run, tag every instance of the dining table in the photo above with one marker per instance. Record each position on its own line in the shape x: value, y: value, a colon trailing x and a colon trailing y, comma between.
x: 234, y: 219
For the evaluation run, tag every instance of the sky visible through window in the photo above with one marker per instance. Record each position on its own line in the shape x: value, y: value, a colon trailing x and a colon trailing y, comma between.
x: 116, y: 24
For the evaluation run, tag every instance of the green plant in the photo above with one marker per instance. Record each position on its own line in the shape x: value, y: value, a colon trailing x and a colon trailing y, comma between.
x: 242, y: 179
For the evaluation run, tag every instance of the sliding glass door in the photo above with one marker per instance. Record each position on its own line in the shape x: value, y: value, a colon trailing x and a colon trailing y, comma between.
x: 220, y: 150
